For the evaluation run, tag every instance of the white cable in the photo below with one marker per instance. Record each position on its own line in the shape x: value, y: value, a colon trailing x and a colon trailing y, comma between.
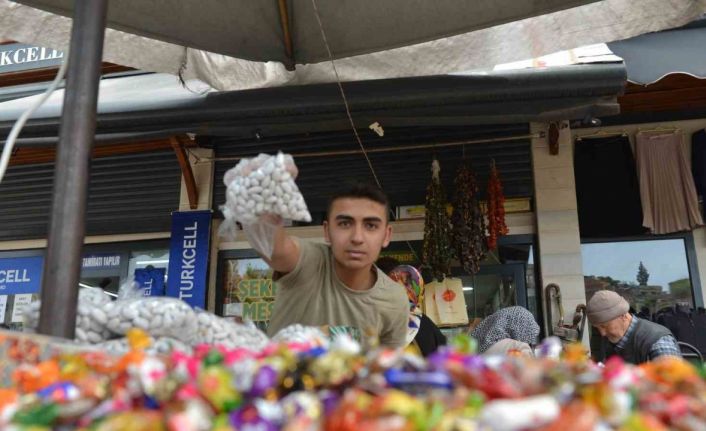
x: 20, y: 123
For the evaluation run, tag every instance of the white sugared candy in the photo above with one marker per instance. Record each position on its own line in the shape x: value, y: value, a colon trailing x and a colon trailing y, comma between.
x: 91, y: 317
x: 158, y: 316
x: 158, y: 346
x: 301, y: 334
x: 264, y: 185
x: 213, y: 329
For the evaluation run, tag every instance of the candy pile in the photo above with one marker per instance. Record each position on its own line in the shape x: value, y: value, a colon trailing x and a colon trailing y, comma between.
x: 307, y: 386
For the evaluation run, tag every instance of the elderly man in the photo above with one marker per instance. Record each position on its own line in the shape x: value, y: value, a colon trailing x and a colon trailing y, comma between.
x: 633, y: 339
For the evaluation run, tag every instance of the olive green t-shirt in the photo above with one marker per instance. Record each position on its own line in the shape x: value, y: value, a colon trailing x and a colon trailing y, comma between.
x: 313, y: 295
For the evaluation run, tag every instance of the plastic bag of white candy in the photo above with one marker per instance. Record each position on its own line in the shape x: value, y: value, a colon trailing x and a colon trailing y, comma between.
x: 257, y: 188
x: 158, y: 316
x: 297, y: 333
x: 91, y: 317
x: 213, y: 329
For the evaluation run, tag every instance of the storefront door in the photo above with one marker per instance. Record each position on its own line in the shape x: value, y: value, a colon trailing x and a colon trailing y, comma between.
x: 492, y: 288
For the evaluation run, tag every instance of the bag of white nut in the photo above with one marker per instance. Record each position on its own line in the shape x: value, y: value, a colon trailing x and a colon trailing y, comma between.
x: 259, y: 190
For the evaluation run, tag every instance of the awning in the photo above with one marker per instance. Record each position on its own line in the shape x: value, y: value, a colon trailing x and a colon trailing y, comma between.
x: 652, y: 56
x: 480, y: 35
x: 149, y: 106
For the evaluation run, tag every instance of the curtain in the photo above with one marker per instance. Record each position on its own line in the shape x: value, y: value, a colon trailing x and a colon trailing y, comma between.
x: 667, y: 190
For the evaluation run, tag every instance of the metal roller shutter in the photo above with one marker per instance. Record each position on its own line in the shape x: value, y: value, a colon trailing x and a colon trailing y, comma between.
x: 132, y: 193
x: 404, y: 174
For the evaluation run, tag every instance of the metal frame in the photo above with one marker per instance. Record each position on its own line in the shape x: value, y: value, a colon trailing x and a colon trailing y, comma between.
x: 224, y: 255
x: 689, y: 248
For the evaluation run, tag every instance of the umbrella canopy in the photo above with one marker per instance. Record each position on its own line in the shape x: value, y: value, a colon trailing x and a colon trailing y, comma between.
x: 288, y: 30
x: 239, y: 44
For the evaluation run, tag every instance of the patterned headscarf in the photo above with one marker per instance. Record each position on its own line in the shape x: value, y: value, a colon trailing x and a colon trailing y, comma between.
x: 516, y: 323
x: 412, y: 280
x: 409, y: 277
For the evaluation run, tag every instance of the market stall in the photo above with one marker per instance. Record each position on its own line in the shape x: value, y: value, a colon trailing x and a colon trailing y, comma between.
x: 142, y: 363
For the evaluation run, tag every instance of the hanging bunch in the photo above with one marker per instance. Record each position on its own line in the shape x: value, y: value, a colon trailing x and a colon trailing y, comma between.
x: 468, y: 222
x: 496, y: 208
x: 437, y: 250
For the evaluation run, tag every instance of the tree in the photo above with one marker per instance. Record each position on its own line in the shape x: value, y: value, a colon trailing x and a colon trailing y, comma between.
x: 642, y: 275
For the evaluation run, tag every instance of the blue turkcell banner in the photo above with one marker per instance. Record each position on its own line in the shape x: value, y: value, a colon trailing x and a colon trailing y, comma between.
x: 188, y: 257
x: 20, y: 275
x: 151, y: 281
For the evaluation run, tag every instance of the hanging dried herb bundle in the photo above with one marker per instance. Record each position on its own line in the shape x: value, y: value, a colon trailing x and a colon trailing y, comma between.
x: 468, y: 222
x: 496, y: 208
x: 437, y: 250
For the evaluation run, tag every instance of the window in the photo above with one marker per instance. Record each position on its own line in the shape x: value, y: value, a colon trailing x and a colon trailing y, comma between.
x: 247, y: 289
x: 651, y: 274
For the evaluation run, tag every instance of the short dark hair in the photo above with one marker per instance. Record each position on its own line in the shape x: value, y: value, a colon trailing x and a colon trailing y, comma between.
x: 360, y: 191
x: 387, y: 264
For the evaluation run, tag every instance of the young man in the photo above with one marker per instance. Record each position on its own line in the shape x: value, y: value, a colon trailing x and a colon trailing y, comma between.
x: 337, y: 285
x: 635, y: 340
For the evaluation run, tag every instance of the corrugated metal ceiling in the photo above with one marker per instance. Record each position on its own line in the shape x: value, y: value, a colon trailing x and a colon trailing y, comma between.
x: 404, y: 174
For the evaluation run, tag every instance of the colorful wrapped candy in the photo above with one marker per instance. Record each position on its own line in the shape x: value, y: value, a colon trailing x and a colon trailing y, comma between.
x: 306, y: 386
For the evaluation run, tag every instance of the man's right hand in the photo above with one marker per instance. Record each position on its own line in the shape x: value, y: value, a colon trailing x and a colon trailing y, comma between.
x: 285, y: 253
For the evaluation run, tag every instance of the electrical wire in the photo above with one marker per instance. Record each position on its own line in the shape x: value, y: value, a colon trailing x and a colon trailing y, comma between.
x: 348, y: 110
x: 20, y: 123
x: 343, y: 94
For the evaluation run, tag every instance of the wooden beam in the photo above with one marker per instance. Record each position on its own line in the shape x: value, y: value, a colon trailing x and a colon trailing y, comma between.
x: 672, y: 93
x: 192, y: 191
x: 34, y: 155
x: 286, y: 32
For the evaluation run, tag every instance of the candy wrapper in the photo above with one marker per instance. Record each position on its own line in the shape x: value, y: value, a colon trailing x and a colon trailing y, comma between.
x: 259, y: 193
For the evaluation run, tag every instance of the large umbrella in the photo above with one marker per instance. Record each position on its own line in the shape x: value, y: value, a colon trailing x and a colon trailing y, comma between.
x: 266, y: 41
x: 238, y: 44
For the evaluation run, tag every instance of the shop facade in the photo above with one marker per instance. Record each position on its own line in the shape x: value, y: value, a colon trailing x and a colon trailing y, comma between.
x: 130, y: 206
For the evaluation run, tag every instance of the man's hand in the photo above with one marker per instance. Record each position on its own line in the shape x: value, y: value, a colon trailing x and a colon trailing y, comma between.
x: 285, y: 250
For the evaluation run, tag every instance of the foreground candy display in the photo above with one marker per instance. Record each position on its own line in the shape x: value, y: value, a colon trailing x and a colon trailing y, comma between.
x: 316, y: 384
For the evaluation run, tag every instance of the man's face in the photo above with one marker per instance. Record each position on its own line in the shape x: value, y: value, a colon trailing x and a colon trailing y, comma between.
x: 357, y: 230
x: 614, y: 329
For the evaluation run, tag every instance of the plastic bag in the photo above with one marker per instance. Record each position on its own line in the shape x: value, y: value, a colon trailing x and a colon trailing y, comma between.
x: 158, y: 316
x: 297, y: 333
x: 213, y: 329
x: 260, y: 192
x: 91, y: 316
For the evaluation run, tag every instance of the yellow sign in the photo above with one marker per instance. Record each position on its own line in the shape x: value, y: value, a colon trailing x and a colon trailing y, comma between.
x: 403, y: 257
x: 512, y: 205
x: 257, y: 296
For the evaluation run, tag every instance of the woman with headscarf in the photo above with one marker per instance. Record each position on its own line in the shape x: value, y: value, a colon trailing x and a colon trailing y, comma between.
x: 422, y: 333
x: 507, y: 330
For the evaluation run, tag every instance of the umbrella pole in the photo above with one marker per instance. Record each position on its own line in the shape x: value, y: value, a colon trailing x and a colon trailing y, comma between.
x: 77, y: 130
